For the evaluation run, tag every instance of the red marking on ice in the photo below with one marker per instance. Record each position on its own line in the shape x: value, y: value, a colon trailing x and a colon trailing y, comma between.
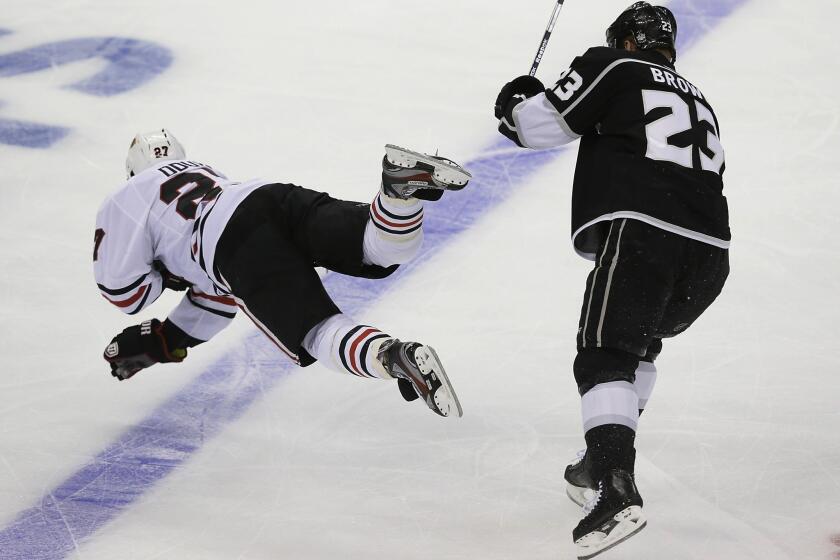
x: 835, y: 540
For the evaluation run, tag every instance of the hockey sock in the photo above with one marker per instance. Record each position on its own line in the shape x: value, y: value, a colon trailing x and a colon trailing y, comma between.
x: 610, y: 446
x: 645, y: 380
x: 610, y: 415
x: 344, y: 345
x: 394, y: 232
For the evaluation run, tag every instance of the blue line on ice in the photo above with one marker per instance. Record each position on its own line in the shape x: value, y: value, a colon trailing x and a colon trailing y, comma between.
x: 147, y: 452
x: 131, y: 63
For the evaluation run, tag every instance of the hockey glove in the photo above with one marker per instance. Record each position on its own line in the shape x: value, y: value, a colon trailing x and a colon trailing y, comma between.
x: 171, y: 281
x: 139, y: 347
x: 516, y: 91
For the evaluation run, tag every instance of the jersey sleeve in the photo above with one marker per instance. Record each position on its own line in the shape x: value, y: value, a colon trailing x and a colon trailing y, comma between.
x: 202, y: 316
x: 122, y: 260
x: 572, y: 107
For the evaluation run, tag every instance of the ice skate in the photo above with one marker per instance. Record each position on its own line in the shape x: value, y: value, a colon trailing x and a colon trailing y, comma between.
x: 420, y: 366
x: 407, y: 174
x: 613, y: 515
x: 579, y: 484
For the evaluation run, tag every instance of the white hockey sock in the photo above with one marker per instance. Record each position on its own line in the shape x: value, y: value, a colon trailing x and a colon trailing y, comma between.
x: 615, y: 402
x: 645, y: 380
x: 346, y: 346
x: 394, y: 232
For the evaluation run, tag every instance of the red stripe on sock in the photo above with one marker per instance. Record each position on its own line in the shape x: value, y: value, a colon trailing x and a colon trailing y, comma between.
x: 379, y: 218
x: 352, y: 351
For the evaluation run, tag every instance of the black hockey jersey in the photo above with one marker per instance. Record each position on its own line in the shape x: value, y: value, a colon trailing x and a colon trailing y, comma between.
x: 650, y: 147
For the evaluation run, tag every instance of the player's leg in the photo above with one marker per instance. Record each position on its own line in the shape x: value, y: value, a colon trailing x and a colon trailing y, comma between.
x: 371, y: 240
x: 646, y: 373
x: 362, y: 350
x: 700, y: 280
x: 269, y: 271
x: 627, y: 293
x: 580, y: 486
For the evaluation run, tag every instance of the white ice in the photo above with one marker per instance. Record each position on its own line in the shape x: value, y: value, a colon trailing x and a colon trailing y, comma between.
x: 738, y: 451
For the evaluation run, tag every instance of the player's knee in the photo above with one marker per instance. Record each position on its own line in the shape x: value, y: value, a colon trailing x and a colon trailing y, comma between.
x: 594, y: 366
x: 653, y: 350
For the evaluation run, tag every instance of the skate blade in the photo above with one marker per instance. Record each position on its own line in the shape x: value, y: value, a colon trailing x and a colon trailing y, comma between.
x: 444, y: 396
x: 578, y: 494
x: 631, y: 520
x: 444, y: 171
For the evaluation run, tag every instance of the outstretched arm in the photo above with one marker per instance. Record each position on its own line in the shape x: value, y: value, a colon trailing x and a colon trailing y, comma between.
x: 536, y: 117
x: 195, y: 320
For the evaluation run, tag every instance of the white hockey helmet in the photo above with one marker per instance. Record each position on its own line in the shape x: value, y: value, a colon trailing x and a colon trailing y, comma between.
x: 148, y: 148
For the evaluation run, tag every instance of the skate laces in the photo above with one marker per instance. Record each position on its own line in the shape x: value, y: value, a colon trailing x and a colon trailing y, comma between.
x: 592, y: 501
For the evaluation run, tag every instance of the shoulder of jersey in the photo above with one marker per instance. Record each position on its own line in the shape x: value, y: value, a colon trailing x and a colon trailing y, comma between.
x: 608, y: 55
x: 603, y: 54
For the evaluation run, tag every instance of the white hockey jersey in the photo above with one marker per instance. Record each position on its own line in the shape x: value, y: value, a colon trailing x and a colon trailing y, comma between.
x: 173, y: 213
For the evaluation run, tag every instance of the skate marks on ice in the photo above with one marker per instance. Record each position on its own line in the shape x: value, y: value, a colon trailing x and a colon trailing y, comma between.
x: 683, y: 525
x: 146, y: 453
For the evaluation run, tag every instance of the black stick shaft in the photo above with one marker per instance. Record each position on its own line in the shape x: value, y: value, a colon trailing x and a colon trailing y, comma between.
x: 549, y: 28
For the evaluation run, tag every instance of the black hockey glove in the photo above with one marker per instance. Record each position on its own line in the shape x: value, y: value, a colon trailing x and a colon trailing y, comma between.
x: 170, y: 280
x: 139, y: 347
x: 519, y: 89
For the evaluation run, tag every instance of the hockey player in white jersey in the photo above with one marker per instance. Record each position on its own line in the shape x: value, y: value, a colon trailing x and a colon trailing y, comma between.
x: 180, y: 224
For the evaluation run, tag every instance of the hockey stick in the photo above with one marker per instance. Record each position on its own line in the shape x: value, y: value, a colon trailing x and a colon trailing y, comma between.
x: 548, y: 30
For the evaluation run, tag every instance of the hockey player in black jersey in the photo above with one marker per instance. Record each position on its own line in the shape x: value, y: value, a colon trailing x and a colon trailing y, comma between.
x: 253, y: 245
x: 648, y: 208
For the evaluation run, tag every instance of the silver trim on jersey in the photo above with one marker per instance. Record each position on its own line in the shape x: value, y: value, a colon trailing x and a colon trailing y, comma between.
x: 603, y: 73
x: 592, y: 288
x: 598, y: 341
x: 681, y: 231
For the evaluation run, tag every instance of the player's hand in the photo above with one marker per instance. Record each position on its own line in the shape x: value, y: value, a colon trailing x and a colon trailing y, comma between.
x: 520, y: 88
x: 170, y: 280
x: 139, y: 347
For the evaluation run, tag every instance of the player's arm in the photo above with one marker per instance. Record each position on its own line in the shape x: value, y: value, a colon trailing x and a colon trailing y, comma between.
x: 201, y: 316
x: 123, y: 260
x: 536, y: 117
x: 195, y: 320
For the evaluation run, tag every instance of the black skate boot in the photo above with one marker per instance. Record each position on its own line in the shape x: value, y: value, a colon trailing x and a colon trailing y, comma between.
x: 579, y: 484
x: 407, y: 174
x: 418, y: 369
x: 612, y: 516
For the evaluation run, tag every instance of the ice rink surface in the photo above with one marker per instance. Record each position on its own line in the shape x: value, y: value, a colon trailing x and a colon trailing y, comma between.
x: 235, y: 454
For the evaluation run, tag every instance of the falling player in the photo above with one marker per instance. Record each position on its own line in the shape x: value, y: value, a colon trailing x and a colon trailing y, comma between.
x: 648, y: 208
x: 181, y: 224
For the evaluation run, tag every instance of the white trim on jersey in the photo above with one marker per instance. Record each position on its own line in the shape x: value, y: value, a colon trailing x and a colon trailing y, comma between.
x: 655, y: 222
x: 604, y: 73
x: 538, y: 124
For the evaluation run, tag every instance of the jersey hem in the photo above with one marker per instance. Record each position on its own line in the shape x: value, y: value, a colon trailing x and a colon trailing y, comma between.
x: 650, y: 220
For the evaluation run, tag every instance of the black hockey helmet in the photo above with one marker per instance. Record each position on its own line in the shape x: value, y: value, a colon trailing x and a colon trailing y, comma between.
x: 650, y: 26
